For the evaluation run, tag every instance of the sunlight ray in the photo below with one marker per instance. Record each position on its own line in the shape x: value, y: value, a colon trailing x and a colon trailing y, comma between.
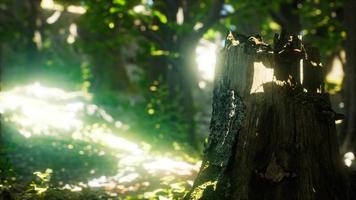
x: 43, y: 111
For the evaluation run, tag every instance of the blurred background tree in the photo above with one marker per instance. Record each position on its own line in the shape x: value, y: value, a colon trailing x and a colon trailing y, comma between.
x: 349, y: 128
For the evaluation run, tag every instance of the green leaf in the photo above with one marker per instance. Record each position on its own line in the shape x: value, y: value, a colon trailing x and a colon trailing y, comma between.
x: 160, y: 16
x: 159, y: 52
x: 120, y: 2
x: 114, y: 10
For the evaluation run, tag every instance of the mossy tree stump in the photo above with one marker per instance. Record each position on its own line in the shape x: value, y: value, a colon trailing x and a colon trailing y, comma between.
x: 276, y: 144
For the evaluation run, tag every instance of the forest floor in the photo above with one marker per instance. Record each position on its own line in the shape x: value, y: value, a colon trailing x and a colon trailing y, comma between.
x: 59, y: 145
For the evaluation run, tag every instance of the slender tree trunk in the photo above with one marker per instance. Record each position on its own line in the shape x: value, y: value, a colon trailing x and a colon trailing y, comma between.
x: 111, y: 74
x: 182, y: 80
x: 279, y: 144
x: 350, y: 77
x: 189, y: 79
x: 33, y: 26
x: 1, y: 69
x: 181, y: 90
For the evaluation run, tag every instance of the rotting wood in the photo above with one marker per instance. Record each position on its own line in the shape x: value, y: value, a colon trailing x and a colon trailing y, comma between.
x: 279, y: 144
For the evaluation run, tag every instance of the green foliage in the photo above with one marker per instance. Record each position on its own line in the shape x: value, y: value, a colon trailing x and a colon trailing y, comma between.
x: 165, y: 114
x: 120, y: 2
x: 322, y: 25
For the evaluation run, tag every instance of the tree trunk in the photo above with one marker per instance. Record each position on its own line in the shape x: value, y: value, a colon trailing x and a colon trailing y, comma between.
x: 1, y: 68
x: 181, y: 90
x: 109, y: 71
x: 182, y: 79
x: 33, y: 15
x: 349, y: 85
x: 287, y: 149
x: 278, y: 144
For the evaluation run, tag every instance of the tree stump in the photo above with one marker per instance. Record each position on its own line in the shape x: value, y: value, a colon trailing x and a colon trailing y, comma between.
x: 277, y: 144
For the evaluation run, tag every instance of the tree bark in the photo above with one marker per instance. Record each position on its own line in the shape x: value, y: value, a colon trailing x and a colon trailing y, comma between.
x: 279, y: 144
x: 349, y: 85
x: 287, y: 148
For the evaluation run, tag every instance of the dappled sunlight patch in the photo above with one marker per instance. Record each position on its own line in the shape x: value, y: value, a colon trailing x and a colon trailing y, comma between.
x: 349, y: 157
x: 39, y: 110
x: 336, y: 75
x: 54, y: 6
x: 170, y: 166
x: 198, y: 192
x: 85, y: 129
x: 261, y: 76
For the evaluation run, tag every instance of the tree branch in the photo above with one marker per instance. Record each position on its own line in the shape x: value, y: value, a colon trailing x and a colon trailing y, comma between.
x: 286, y: 15
x: 212, y: 18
